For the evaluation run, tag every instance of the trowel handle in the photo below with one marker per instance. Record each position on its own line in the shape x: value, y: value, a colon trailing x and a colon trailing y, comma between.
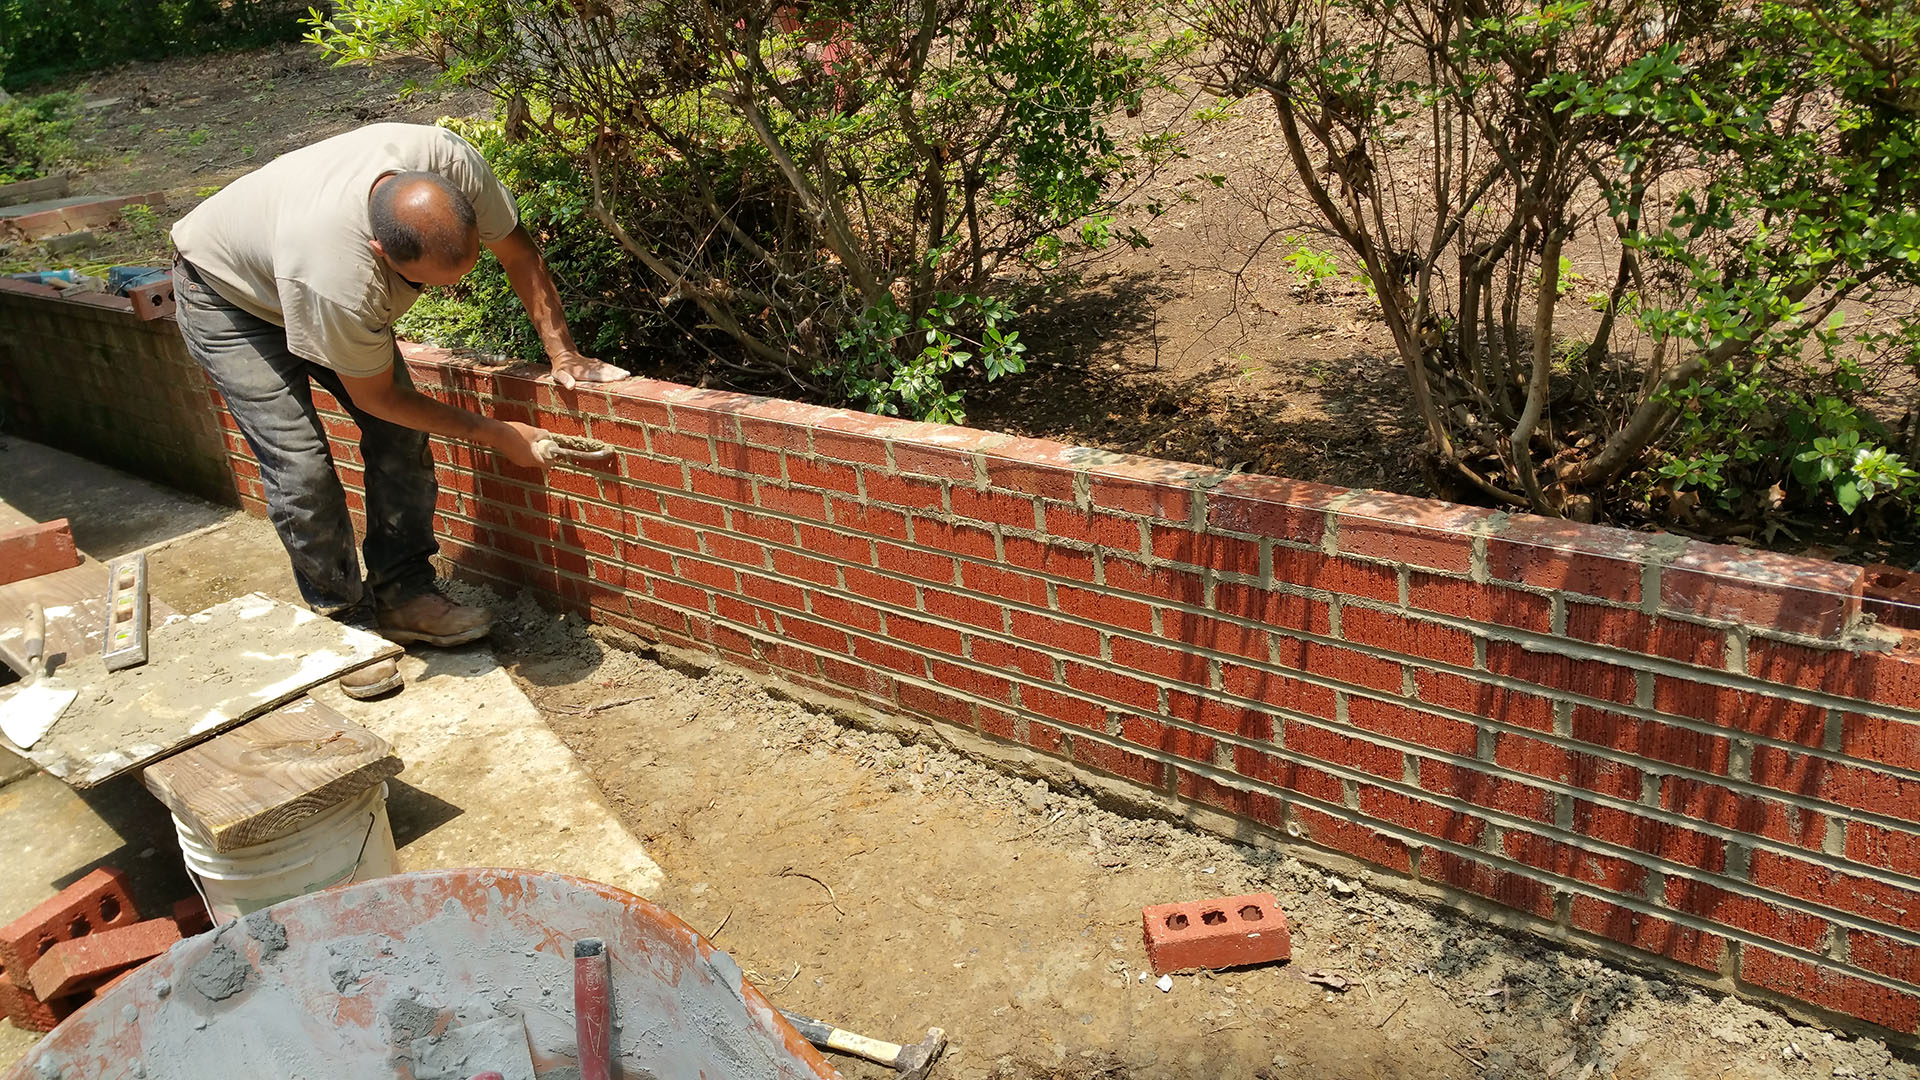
x: 35, y: 643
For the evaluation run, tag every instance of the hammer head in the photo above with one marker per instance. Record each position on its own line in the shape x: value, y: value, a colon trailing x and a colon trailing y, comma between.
x: 916, y: 1061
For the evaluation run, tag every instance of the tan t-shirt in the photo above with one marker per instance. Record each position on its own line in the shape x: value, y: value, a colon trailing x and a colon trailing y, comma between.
x: 288, y: 241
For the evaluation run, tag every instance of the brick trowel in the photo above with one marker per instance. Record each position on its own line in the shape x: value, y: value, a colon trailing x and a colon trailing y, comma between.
x: 34, y: 708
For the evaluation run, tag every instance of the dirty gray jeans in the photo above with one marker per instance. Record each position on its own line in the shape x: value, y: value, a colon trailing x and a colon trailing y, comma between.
x: 269, y: 392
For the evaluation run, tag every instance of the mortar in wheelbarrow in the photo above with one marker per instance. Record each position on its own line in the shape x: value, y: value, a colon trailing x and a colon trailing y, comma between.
x: 355, y: 981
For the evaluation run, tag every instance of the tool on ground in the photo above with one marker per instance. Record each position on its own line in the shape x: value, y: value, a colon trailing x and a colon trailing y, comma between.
x: 124, y: 644
x: 33, y: 709
x: 908, y: 1062
x: 564, y: 449
x: 592, y: 1011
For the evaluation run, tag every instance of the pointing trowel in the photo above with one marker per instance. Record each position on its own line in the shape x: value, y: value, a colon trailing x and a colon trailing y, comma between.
x: 32, y: 711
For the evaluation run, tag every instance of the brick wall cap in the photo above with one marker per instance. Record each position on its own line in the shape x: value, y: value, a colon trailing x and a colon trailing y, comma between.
x: 1772, y: 568
x: 1559, y: 534
x: 1407, y: 511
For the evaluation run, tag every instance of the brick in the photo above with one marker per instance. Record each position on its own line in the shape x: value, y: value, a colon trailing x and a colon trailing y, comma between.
x: 1495, y: 604
x: 1885, y: 848
x: 1054, y: 633
x: 95, y: 902
x: 964, y: 540
x: 191, y: 916
x: 1416, y: 726
x: 1884, y: 678
x: 1355, y: 838
x: 1066, y: 708
x: 1224, y: 553
x: 29, y: 1013
x: 1486, y: 790
x: 1252, y: 805
x: 965, y: 609
x: 790, y: 502
x: 971, y: 680
x: 1860, y: 787
x: 1278, y: 690
x: 903, y: 491
x: 1660, y: 838
x: 1277, y: 609
x: 998, y: 654
x: 947, y: 462
x: 1104, y: 608
x: 1152, y: 734
x: 1624, y: 628
x: 1755, y: 915
x: 1877, y: 900
x: 1550, y: 762
x: 1177, y: 664
x: 881, y: 588
x: 1323, y: 745
x: 871, y: 521
x: 1501, y: 886
x: 1015, y: 511
x: 1342, y: 665
x: 914, y: 563
x: 1890, y: 742
x: 1544, y: 853
x: 1224, y: 932
x: 1415, y: 532
x: 1289, y: 510
x: 1762, y: 589
x: 1399, y: 634
x: 1569, y: 557
x: 1048, y: 558
x: 1648, y: 933
x: 1760, y: 714
x: 1748, y: 813
x: 923, y: 635
x: 828, y: 475
x: 1177, y: 586
x: 1421, y: 816
x: 1223, y: 716
x: 1822, y: 985
x: 74, y: 964
x: 1108, y: 531
x: 1043, y: 479
x: 1122, y: 763
x: 1675, y: 745
x: 33, y: 550
x: 934, y: 703
x: 1878, y: 953
x: 1591, y: 678
x: 1505, y: 704
x: 1348, y: 577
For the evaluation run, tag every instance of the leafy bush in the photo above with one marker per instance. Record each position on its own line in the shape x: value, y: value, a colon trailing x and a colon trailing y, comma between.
x: 1745, y: 171
x: 849, y: 192
x: 41, y: 39
x: 34, y: 135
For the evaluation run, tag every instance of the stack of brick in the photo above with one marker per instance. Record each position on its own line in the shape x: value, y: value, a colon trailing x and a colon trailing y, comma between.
x: 77, y: 945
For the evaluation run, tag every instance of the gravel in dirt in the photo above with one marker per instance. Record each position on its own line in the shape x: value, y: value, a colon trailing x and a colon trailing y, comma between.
x: 891, y: 886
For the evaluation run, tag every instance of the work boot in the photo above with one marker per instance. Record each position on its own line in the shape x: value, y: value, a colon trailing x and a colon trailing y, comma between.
x: 379, y: 677
x: 435, y: 620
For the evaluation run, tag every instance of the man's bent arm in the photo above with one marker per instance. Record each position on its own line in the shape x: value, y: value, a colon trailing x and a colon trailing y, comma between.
x: 407, y: 407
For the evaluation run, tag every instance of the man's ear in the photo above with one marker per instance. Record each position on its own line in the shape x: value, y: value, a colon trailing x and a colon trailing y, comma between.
x: 378, y: 251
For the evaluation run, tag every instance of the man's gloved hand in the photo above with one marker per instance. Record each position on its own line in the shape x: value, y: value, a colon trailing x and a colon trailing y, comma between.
x: 570, y: 368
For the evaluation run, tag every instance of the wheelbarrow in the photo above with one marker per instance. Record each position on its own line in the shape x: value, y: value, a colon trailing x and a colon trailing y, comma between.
x: 373, y: 979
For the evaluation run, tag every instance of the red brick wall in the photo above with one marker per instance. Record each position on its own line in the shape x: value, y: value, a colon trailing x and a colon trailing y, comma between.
x: 1639, y: 742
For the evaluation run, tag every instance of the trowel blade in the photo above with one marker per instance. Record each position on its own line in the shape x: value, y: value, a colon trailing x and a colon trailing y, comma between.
x: 32, y: 711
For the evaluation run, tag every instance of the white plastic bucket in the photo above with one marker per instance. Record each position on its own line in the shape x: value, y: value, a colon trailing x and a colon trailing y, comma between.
x: 349, y: 842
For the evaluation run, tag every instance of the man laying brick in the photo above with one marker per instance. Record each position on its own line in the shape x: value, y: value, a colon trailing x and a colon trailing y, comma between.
x: 294, y: 275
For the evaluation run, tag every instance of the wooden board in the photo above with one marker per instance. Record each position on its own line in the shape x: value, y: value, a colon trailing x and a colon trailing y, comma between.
x: 263, y: 778
x: 207, y: 672
x: 75, y: 600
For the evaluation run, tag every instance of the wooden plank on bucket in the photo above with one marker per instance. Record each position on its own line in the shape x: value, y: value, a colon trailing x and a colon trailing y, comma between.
x: 262, y: 779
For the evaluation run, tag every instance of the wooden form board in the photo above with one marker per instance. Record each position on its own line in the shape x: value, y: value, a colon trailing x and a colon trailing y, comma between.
x: 263, y: 778
x: 75, y: 600
x: 206, y: 673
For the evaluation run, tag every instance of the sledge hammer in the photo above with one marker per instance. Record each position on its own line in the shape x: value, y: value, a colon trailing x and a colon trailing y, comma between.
x: 907, y: 1062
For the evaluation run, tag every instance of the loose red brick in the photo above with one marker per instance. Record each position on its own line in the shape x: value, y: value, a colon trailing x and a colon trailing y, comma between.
x: 1421, y: 816
x: 1544, y: 853
x: 1550, y: 762
x: 1488, y: 790
x: 29, y: 1013
x: 1652, y: 739
x: 191, y: 916
x: 1877, y: 900
x: 1270, y: 506
x: 1829, y: 988
x: 1885, y: 848
x: 1252, y: 805
x: 1591, y: 678
x: 1468, y: 695
x: 1501, y: 886
x: 1761, y: 588
x: 1648, y: 933
x: 1661, y: 838
x: 97, y: 901
x: 1224, y: 932
x: 33, y: 550
x: 1276, y: 609
x: 1123, y: 763
x: 1753, y: 914
x: 1355, y: 838
x: 1849, y: 785
x: 1878, y: 953
x: 1723, y: 706
x: 1348, y: 577
x: 1279, y: 690
x: 1747, y: 813
x: 1178, y: 586
x: 1224, y: 553
x: 1399, y: 634
x: 1413, y: 725
x: 1332, y: 747
x: 1624, y: 628
x: 1496, y: 604
x: 74, y: 964
x: 1890, y: 742
x: 1554, y: 553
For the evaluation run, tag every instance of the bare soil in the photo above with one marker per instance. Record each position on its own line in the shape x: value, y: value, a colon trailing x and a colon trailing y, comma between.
x: 894, y: 886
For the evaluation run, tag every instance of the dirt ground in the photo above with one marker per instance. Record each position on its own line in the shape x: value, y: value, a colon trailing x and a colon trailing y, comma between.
x: 892, y: 887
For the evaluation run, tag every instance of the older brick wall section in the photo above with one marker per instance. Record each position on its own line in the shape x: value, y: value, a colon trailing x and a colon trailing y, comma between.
x: 1641, y: 742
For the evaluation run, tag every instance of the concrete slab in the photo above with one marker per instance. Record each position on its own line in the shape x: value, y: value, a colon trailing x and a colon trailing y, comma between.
x: 112, y: 513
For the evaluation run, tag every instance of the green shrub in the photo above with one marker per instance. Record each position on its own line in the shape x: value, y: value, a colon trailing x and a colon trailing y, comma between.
x: 34, y: 135
x: 42, y: 39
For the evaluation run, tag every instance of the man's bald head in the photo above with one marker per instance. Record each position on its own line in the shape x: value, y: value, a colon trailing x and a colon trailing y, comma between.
x: 422, y: 219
